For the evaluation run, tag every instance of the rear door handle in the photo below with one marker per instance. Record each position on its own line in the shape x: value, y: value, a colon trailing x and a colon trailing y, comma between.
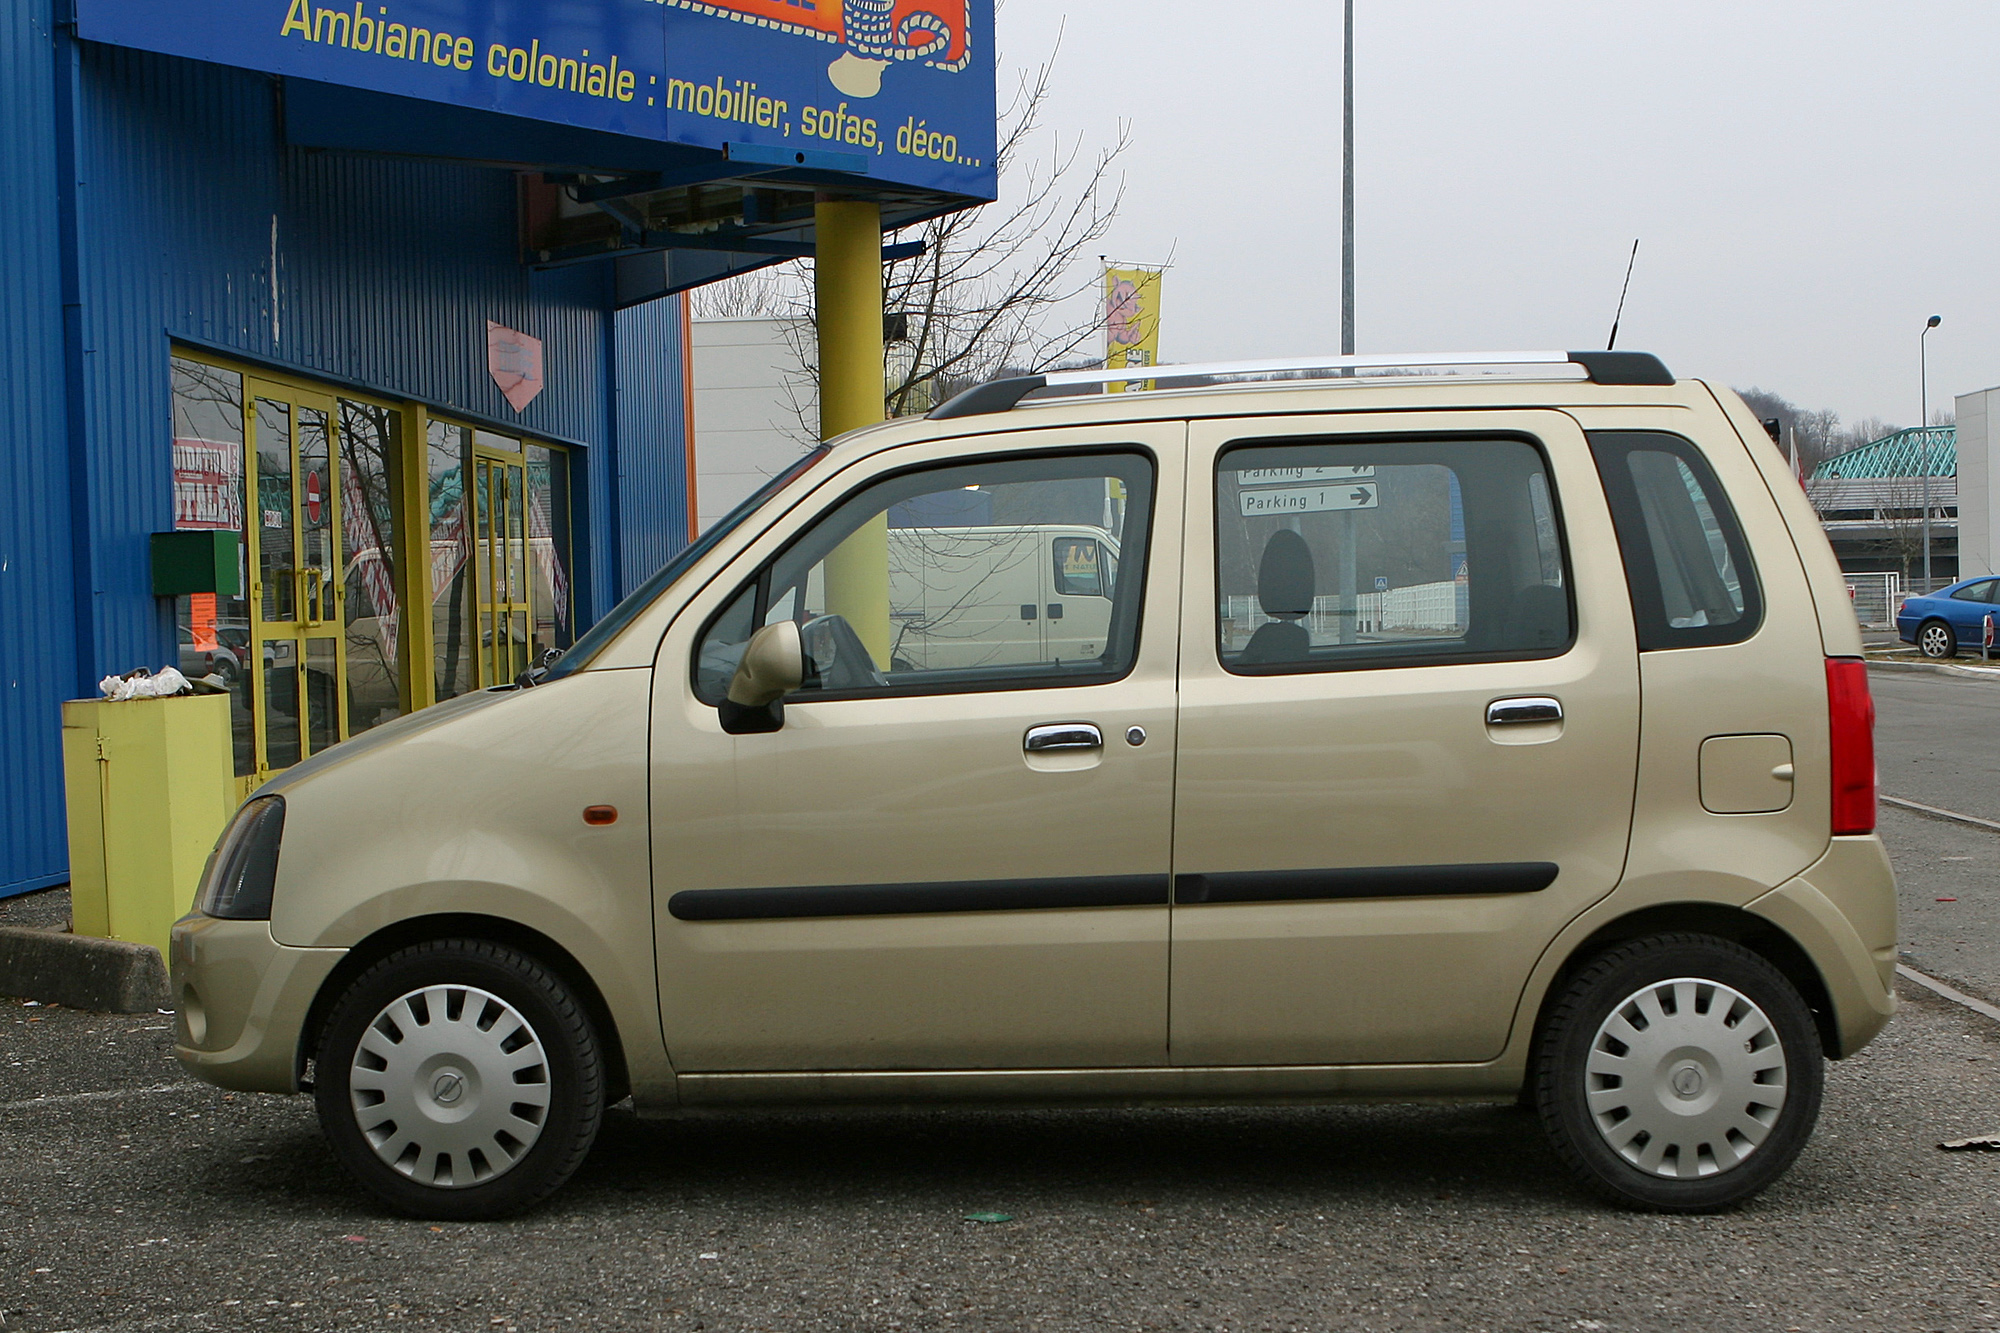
x: 1063, y: 736
x: 1532, y: 708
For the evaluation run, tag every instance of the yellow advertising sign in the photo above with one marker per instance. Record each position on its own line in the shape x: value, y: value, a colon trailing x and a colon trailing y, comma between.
x: 1131, y: 320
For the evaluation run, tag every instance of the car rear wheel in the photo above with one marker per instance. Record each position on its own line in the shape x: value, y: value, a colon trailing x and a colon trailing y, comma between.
x: 1936, y: 639
x: 1681, y: 1073
x: 459, y: 1079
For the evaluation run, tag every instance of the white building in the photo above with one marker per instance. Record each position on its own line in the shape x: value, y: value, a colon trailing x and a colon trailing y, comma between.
x: 755, y: 409
x: 1979, y: 498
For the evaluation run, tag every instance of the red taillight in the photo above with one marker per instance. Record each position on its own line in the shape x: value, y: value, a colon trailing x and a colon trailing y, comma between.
x: 1851, y: 729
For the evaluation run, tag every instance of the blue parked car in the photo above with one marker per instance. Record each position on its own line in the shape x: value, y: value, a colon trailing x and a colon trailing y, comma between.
x: 1940, y: 623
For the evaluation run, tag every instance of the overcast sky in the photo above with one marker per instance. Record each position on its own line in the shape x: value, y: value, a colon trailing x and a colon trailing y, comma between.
x: 1810, y: 180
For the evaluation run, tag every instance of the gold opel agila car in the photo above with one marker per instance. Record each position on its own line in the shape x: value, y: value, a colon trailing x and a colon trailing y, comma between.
x: 1488, y: 728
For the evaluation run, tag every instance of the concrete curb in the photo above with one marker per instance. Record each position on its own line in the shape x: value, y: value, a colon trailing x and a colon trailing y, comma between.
x: 82, y: 971
x: 1936, y: 669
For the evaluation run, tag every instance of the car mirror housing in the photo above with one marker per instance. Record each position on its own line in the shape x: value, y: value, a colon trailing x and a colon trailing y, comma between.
x: 773, y: 666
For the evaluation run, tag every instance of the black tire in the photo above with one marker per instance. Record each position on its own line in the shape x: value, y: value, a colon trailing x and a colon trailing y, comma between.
x: 1936, y: 639
x: 1687, y: 1093
x: 511, y: 994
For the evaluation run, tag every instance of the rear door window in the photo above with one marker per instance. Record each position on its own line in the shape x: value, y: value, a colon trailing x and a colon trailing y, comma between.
x: 1686, y: 562
x: 1387, y: 552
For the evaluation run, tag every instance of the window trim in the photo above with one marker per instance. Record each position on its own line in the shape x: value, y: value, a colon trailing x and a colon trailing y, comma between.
x: 1612, y: 449
x: 914, y: 690
x: 1393, y: 660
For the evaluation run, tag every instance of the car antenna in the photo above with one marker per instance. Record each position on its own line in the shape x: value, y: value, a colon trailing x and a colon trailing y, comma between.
x: 1613, y: 341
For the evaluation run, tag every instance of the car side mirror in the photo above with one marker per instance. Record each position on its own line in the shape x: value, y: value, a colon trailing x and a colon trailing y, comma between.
x: 773, y: 666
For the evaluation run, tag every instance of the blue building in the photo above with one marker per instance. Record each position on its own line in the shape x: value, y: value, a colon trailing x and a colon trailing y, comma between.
x: 420, y: 363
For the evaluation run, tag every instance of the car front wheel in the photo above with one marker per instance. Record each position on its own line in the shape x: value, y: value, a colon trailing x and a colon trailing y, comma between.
x: 459, y: 1079
x: 1679, y: 1072
x: 1936, y: 639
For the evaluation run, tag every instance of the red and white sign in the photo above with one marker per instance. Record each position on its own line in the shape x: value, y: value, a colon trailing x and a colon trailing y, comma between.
x: 515, y: 362
x: 313, y: 506
x: 208, y: 485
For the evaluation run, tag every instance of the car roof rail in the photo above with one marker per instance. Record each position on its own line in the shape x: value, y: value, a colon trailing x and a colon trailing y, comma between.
x: 1598, y: 367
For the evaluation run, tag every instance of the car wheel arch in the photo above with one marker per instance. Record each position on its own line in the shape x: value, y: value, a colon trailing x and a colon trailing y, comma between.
x: 1734, y: 924
x: 367, y: 952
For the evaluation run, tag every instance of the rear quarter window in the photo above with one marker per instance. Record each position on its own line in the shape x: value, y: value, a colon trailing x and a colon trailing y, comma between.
x: 1691, y: 577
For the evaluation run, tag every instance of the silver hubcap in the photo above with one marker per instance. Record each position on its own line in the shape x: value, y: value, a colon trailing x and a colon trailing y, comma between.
x: 450, y: 1086
x: 1934, y: 641
x: 1685, y: 1078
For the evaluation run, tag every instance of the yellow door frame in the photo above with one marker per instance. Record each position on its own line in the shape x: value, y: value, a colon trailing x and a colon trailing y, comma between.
x: 316, y: 591
x: 502, y: 579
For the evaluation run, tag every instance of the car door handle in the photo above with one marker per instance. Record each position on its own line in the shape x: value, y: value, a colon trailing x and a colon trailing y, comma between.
x: 1063, y: 736
x: 1533, y: 708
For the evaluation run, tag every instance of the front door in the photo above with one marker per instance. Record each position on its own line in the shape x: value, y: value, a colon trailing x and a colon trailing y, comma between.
x: 297, y: 647
x: 1409, y: 719
x: 950, y: 857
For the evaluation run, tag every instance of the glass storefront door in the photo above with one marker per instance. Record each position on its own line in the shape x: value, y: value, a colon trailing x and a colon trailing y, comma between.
x: 500, y: 555
x: 500, y: 561
x: 297, y: 647
x: 390, y: 559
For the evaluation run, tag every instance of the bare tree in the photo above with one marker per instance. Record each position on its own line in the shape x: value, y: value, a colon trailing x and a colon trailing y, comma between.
x: 997, y: 289
x: 1818, y: 433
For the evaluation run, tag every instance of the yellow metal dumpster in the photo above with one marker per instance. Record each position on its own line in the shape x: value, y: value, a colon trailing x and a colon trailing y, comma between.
x: 150, y: 785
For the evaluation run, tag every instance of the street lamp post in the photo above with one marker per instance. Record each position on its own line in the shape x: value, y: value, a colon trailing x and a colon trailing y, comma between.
x: 1924, y: 425
x: 1347, y: 187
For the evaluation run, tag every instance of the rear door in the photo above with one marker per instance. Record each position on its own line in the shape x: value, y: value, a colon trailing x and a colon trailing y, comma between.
x: 1409, y: 720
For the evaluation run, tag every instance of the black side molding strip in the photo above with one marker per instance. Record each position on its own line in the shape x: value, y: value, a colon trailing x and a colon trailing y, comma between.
x: 980, y: 895
x: 1281, y: 886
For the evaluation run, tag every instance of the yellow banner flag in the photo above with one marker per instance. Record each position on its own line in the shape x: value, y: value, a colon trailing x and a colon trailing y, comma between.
x: 1131, y: 321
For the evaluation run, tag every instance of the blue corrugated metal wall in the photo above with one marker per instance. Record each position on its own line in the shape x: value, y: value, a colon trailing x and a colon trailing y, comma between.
x: 37, y: 656
x: 651, y: 386
x: 193, y: 220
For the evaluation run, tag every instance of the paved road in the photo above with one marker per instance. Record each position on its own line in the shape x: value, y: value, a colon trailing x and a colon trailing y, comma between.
x: 133, y: 1199
x: 1937, y: 741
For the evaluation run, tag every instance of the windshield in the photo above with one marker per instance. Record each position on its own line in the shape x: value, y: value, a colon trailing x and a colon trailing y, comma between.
x: 604, y: 631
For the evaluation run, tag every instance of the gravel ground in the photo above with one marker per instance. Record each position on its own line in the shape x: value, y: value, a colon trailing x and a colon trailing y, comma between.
x: 131, y: 1198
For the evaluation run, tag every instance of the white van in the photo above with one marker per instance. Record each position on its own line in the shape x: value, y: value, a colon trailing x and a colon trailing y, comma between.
x: 979, y: 596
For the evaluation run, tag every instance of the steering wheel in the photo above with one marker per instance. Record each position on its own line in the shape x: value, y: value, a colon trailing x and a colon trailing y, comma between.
x: 839, y: 660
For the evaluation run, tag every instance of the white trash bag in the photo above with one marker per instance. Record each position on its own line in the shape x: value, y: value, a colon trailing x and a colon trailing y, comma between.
x: 142, y: 684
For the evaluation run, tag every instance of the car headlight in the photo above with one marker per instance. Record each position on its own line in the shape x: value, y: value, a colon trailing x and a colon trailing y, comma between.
x: 242, y: 869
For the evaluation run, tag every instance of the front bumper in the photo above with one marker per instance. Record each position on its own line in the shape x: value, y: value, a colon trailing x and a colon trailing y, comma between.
x: 240, y: 1001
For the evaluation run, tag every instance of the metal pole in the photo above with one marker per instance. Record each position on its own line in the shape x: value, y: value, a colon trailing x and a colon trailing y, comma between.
x: 1347, y: 188
x: 847, y: 306
x: 1923, y: 425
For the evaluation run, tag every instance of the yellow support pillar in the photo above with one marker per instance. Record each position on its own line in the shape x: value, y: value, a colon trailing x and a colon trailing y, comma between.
x: 847, y: 300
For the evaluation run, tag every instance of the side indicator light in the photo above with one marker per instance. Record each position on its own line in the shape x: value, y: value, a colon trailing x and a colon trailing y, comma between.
x: 600, y: 814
